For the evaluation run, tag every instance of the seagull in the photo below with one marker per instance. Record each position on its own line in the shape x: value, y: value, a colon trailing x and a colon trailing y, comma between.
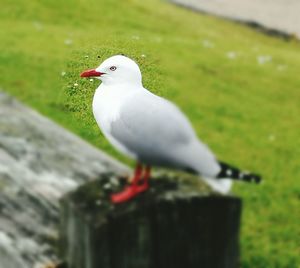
x: 152, y: 130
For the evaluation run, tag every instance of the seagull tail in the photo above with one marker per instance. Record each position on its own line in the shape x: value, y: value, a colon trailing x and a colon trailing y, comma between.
x: 233, y: 173
x: 223, y: 181
x: 221, y: 186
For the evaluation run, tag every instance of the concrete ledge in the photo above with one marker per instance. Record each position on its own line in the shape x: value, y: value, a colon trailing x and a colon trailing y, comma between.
x: 39, y: 162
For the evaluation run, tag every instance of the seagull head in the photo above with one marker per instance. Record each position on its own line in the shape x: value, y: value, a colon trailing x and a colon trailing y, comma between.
x: 116, y: 70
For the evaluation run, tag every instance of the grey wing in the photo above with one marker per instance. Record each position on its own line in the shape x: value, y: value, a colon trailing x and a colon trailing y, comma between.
x: 152, y: 128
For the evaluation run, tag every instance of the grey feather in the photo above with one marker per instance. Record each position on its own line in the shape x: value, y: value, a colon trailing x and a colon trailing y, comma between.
x: 159, y: 134
x: 150, y: 127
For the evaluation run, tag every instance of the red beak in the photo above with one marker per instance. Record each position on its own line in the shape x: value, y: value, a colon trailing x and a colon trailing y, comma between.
x: 89, y: 73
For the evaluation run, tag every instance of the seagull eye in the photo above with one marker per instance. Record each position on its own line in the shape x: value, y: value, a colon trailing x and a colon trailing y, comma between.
x: 113, y: 68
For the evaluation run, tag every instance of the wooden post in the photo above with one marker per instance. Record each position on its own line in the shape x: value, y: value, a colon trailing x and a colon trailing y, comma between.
x: 176, y: 224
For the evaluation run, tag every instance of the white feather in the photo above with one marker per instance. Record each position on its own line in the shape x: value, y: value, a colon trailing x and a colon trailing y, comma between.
x: 222, y: 186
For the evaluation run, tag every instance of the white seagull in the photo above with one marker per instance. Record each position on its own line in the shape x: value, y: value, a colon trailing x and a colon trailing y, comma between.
x: 152, y: 130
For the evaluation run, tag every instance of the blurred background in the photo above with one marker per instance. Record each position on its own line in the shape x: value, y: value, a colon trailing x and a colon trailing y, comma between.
x: 239, y: 86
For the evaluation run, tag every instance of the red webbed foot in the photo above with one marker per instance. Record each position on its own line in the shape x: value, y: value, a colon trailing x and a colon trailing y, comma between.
x: 139, y: 184
x: 128, y: 193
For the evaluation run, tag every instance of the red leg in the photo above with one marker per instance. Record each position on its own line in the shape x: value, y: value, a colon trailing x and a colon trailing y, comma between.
x: 145, y: 185
x: 130, y: 191
x: 137, y: 173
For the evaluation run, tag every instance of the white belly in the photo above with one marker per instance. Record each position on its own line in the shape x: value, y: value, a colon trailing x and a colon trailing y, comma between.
x: 106, y: 109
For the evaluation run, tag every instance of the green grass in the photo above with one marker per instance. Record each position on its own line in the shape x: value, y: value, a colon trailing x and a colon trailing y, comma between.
x: 248, y: 113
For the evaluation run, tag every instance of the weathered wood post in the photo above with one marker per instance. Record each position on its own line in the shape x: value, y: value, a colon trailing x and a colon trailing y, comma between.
x: 176, y: 224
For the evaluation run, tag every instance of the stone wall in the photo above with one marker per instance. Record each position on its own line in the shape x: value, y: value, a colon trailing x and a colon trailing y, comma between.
x: 39, y: 162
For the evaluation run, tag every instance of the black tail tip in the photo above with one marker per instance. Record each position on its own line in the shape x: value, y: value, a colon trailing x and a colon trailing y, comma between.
x: 248, y: 177
x: 254, y: 178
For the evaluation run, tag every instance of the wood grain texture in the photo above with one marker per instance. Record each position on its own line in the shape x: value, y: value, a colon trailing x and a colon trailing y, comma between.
x: 173, y: 225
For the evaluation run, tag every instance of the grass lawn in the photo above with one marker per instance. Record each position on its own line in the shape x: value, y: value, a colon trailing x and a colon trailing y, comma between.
x: 240, y: 88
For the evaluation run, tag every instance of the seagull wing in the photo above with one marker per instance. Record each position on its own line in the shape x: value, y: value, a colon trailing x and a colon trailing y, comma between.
x: 157, y: 132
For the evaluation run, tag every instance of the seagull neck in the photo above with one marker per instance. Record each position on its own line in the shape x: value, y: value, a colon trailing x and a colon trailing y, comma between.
x: 121, y: 88
x: 126, y: 84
